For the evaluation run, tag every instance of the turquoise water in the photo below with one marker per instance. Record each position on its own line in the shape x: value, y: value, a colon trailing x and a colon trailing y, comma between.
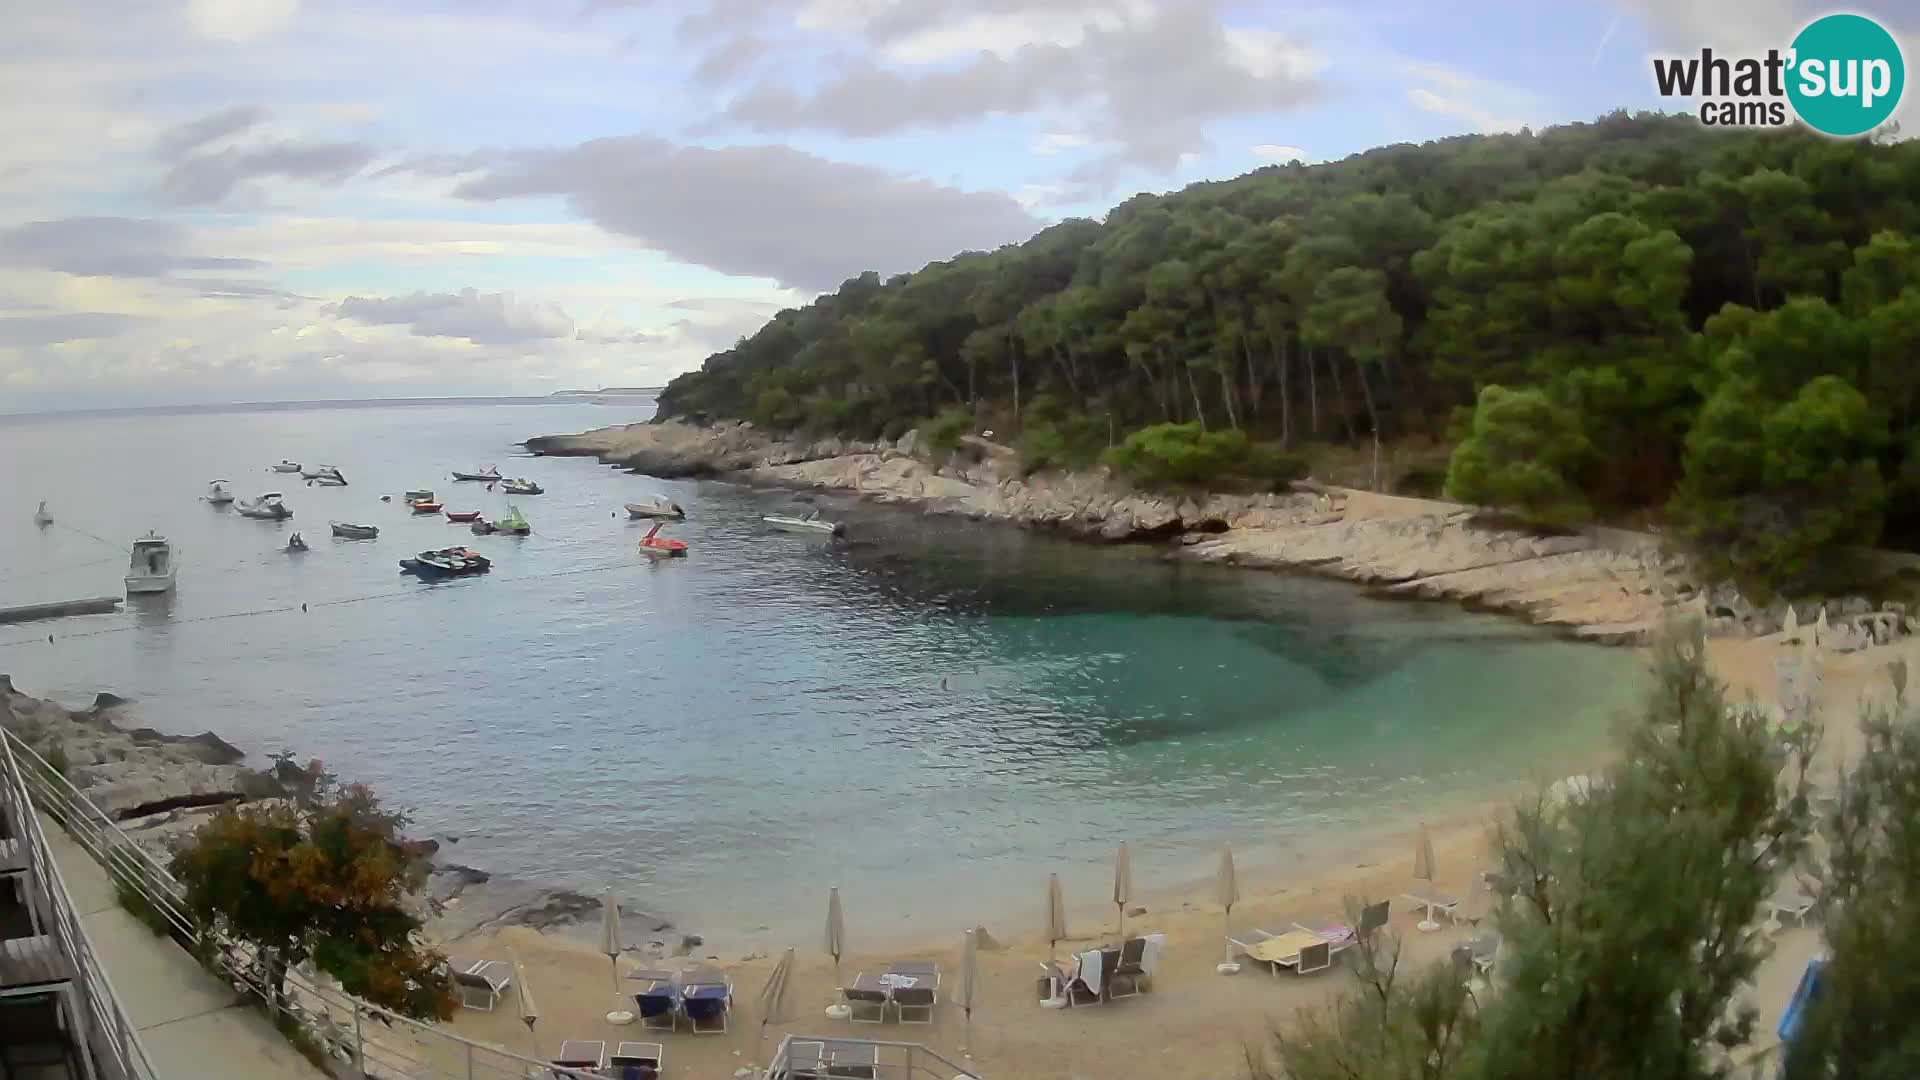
x: 931, y: 714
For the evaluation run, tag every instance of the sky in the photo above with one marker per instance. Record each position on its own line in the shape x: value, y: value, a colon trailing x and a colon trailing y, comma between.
x: 246, y: 200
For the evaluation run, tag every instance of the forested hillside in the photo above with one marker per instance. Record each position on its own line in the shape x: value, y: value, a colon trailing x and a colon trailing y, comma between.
x: 1602, y: 320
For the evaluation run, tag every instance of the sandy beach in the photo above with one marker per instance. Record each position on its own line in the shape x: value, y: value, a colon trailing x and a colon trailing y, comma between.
x: 1194, y: 1024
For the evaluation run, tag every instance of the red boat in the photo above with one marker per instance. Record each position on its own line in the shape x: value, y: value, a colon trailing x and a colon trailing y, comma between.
x: 653, y: 544
x: 425, y: 507
x: 471, y: 515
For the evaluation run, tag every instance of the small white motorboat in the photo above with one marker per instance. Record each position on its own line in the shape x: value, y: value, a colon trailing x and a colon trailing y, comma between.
x: 151, y: 569
x: 41, y: 517
x: 265, y: 507
x: 811, y: 523
x: 285, y: 466
x: 655, y: 506
x: 217, y: 493
x: 521, y: 487
x: 488, y: 473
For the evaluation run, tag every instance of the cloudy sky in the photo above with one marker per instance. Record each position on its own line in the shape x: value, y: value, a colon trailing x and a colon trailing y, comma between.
x: 205, y: 200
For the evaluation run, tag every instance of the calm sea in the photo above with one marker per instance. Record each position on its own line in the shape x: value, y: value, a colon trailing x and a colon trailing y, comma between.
x: 929, y: 714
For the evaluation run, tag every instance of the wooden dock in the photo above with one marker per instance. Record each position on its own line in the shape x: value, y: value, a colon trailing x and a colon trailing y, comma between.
x: 96, y: 605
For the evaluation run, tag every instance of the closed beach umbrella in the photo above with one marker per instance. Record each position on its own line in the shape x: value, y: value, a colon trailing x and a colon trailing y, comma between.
x: 836, y: 931
x: 1123, y: 884
x: 969, y: 974
x: 610, y: 935
x: 1423, y: 870
x: 1226, y: 886
x: 1056, y: 914
x: 529, y: 1012
x: 773, y: 996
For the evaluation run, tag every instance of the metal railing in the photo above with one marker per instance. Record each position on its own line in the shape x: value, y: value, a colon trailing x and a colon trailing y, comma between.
x: 360, y: 1039
x: 104, y: 1037
x: 816, y: 1057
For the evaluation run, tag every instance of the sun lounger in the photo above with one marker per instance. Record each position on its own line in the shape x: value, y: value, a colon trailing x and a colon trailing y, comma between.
x: 581, y: 1054
x: 1068, y: 982
x: 481, y: 982
x: 1302, y: 950
x: 1791, y: 901
x: 819, y: 1059
x: 1129, y: 969
x: 1372, y: 917
x: 637, y: 1061
x: 913, y: 986
x: 866, y: 999
x: 706, y: 999
x: 657, y: 1003
x: 1435, y: 902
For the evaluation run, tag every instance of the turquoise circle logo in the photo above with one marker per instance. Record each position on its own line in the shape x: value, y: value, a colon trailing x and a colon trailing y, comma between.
x: 1847, y: 75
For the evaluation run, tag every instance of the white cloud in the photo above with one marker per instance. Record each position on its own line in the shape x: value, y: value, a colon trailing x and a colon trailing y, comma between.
x: 1052, y: 142
x: 1278, y: 152
x: 1484, y: 105
x: 240, y: 20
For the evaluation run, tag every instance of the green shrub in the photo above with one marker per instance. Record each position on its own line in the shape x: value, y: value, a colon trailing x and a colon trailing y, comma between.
x: 1073, y: 444
x: 1176, y: 455
x: 1273, y: 466
x: 941, y: 435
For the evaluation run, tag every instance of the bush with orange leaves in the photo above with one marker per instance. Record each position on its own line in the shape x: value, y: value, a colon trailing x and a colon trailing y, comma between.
x: 321, y: 877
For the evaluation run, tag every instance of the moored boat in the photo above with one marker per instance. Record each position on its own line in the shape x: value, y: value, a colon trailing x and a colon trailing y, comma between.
x: 513, y: 524
x: 811, y: 523
x: 656, y: 506
x: 348, y: 531
x: 296, y: 544
x: 655, y: 544
x: 217, y: 494
x: 463, y: 515
x: 425, y: 507
x: 285, y: 466
x: 152, y: 567
x: 325, y: 476
x: 418, y: 495
x: 266, y: 507
x: 447, y: 562
x: 41, y: 517
x: 522, y: 487
x: 485, y: 472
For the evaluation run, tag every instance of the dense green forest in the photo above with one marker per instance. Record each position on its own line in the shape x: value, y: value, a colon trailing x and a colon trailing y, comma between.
x: 1628, y: 318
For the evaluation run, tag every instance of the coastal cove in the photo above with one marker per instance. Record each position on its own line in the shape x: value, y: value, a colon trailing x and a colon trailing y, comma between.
x: 931, y: 714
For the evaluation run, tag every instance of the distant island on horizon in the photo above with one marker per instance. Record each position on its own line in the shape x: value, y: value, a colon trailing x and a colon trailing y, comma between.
x: 611, y: 391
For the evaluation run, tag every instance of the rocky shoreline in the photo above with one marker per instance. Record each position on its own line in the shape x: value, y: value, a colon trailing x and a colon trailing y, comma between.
x: 159, y: 788
x: 1601, y: 586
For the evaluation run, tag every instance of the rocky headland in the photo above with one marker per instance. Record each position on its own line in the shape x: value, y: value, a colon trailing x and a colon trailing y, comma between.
x: 1599, y: 584
x: 159, y: 788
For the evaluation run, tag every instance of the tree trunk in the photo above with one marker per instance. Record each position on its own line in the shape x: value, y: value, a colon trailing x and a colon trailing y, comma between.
x: 1373, y: 417
x: 1286, y: 395
x: 1013, y: 357
x: 1226, y: 392
x: 1198, y: 410
x: 1340, y: 401
x: 1253, y: 379
x: 1313, y: 395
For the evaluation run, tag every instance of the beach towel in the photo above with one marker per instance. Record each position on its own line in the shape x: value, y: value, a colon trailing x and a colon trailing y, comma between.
x: 1150, y: 955
x: 1089, y: 969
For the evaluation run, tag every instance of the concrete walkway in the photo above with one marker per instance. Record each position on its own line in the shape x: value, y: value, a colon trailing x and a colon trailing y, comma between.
x: 190, y: 1022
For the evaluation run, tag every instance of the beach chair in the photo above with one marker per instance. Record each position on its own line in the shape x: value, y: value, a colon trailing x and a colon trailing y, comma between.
x: 706, y: 1000
x: 481, y: 982
x: 1129, y: 969
x: 866, y: 1000
x: 859, y: 1062
x: 657, y: 1003
x: 1338, y: 935
x: 637, y: 1061
x: 1314, y: 958
x: 1067, y: 982
x: 1461, y: 957
x: 1486, y: 950
x: 1372, y: 917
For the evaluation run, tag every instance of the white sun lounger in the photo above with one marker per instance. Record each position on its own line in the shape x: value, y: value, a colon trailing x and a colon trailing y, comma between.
x: 481, y: 982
